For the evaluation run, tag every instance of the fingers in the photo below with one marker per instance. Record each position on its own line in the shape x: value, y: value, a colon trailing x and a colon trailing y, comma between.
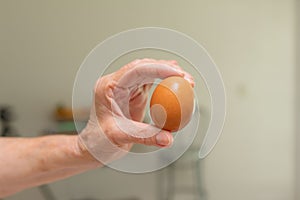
x: 171, y: 63
x: 140, y: 72
x: 189, y: 78
x: 146, y: 73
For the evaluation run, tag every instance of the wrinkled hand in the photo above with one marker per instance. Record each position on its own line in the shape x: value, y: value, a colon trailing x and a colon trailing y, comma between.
x: 119, y: 107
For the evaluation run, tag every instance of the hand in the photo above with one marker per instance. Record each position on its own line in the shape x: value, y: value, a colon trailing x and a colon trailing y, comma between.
x: 119, y: 107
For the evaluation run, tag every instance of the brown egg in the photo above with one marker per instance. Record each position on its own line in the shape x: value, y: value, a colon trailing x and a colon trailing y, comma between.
x: 172, y: 103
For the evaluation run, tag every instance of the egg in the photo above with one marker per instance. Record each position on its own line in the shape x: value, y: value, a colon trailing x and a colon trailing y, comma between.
x: 172, y: 103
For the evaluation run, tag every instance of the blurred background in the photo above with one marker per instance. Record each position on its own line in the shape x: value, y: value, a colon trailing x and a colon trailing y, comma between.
x: 256, y: 45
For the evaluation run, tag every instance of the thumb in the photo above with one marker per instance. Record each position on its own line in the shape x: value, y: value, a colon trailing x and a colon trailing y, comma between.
x: 142, y: 133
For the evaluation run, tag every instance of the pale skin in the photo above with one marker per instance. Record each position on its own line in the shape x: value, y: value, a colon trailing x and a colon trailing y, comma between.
x: 29, y: 162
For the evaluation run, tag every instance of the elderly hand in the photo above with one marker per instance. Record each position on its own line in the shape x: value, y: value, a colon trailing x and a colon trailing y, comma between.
x: 119, y: 107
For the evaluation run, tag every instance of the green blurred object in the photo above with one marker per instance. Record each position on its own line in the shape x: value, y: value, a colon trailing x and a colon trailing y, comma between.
x: 66, y: 126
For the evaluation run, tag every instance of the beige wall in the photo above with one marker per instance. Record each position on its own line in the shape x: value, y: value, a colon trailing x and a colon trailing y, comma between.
x: 44, y: 42
x: 297, y: 110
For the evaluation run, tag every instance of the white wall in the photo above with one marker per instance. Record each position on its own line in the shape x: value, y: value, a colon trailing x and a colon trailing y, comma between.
x: 42, y: 45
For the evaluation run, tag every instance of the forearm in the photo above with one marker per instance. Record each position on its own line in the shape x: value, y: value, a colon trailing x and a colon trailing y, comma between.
x: 28, y: 162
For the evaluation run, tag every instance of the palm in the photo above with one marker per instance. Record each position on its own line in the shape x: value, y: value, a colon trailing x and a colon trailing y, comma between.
x: 137, y: 103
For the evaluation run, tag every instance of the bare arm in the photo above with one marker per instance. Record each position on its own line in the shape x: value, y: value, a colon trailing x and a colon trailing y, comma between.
x: 28, y: 162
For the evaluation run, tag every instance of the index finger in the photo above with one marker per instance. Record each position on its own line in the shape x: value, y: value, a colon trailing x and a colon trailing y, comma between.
x: 145, y: 73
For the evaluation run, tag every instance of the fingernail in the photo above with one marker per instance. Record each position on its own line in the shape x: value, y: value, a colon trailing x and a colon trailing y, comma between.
x: 162, y: 139
x: 189, y: 80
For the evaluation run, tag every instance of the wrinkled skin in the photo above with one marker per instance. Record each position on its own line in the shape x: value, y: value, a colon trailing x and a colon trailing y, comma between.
x: 119, y: 107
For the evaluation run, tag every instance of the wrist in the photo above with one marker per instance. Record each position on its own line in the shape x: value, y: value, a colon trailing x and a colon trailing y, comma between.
x: 83, y: 155
x: 95, y: 141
